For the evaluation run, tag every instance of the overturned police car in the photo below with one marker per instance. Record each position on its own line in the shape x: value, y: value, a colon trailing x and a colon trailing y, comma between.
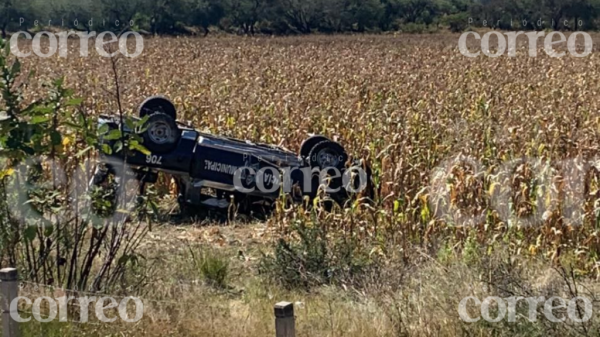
x: 217, y: 171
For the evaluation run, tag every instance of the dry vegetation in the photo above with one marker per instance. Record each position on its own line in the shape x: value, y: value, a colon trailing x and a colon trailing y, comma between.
x: 410, y: 105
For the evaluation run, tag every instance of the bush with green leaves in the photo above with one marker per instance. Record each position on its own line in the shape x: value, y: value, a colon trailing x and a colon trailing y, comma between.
x: 50, y: 228
x: 212, y: 266
x: 309, y: 257
x: 413, y: 28
x: 457, y: 23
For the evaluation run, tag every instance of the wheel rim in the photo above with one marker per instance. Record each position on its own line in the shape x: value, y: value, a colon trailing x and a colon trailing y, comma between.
x: 160, y: 133
x: 328, y: 158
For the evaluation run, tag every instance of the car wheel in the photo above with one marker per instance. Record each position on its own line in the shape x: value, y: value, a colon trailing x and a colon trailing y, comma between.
x: 162, y: 133
x: 328, y: 154
x: 309, y: 143
x: 157, y: 104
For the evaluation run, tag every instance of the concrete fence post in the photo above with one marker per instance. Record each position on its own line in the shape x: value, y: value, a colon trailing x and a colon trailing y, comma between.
x: 9, y: 289
x: 285, y: 323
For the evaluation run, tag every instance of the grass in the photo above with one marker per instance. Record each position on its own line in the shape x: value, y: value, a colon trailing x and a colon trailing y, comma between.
x: 213, y: 267
x: 418, y: 298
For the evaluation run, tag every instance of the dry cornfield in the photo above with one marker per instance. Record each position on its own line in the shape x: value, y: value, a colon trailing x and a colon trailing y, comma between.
x: 500, y: 154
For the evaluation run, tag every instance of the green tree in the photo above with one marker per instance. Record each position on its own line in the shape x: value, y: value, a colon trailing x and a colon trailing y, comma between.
x: 246, y: 13
x: 421, y: 11
x: 301, y: 16
x: 11, y: 11
x: 333, y: 18
x: 205, y: 13
x: 120, y: 11
x: 166, y: 16
x: 362, y: 14
x: 73, y: 14
x: 584, y: 10
x: 392, y: 10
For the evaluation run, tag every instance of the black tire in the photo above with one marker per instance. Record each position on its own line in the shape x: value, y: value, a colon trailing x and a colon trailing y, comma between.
x: 185, y: 209
x: 309, y: 143
x: 157, y: 104
x: 328, y: 154
x: 162, y: 133
x: 325, y: 155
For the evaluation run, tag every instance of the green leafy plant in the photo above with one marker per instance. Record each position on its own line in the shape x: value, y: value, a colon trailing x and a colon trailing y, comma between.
x: 50, y: 235
x: 309, y: 257
x: 130, y: 139
x: 212, y: 266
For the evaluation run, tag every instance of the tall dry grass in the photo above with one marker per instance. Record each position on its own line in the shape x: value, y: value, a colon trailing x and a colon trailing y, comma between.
x: 431, y: 122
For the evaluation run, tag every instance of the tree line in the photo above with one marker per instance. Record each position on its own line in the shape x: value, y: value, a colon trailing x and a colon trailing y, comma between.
x: 297, y: 16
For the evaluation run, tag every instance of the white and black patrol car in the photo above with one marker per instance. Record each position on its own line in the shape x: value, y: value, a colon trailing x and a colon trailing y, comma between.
x: 213, y: 170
